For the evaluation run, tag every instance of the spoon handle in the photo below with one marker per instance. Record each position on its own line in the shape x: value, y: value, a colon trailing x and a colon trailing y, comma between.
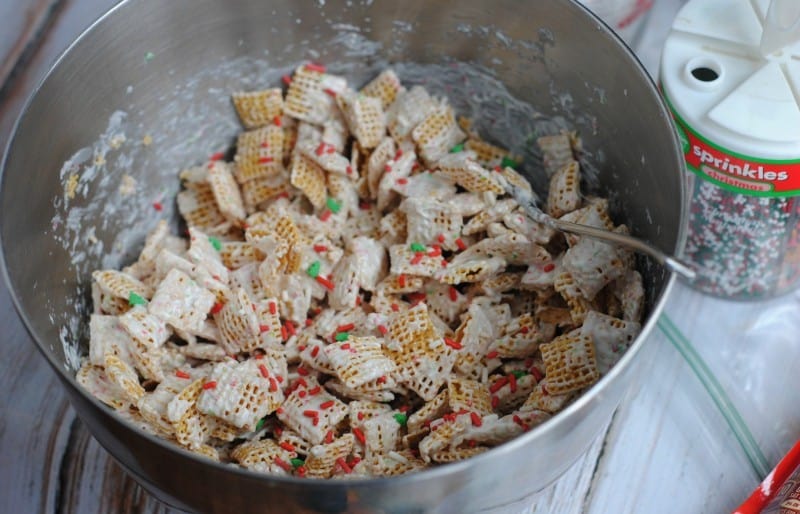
x: 672, y: 263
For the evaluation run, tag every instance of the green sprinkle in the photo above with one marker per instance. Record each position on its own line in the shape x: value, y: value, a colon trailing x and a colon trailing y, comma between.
x: 417, y: 247
x: 458, y: 148
x: 333, y: 205
x: 135, y: 299
x: 342, y: 336
x: 297, y: 462
x: 401, y: 418
x: 260, y: 424
x: 149, y: 56
x: 519, y: 373
x: 508, y: 162
x: 313, y: 269
x: 215, y: 243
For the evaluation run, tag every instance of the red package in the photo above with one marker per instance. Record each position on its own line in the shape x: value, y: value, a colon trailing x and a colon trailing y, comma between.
x: 779, y: 493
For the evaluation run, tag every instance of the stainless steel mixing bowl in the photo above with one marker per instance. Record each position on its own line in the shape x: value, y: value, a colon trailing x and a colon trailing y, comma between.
x: 160, y: 70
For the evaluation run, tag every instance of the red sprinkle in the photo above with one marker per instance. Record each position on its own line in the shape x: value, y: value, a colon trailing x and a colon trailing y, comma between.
x: 277, y: 121
x: 359, y: 435
x: 444, y: 263
x: 216, y: 156
x: 290, y: 328
x: 453, y: 343
x: 461, y: 244
x: 312, y: 66
x: 436, y: 251
x: 417, y: 258
x: 360, y: 416
x: 347, y: 327
x: 402, y: 181
x: 476, y: 419
x: 326, y: 215
x: 401, y: 280
x: 266, y: 159
x: 303, y: 372
x: 416, y: 298
x: 282, y: 463
x: 382, y: 379
x: 498, y: 384
x: 346, y: 346
x: 310, y: 413
x: 217, y: 307
x: 495, y: 401
x: 524, y: 330
x: 263, y: 328
x: 330, y: 92
x: 315, y: 351
x: 309, y: 322
x: 320, y: 149
x: 549, y: 267
x: 320, y: 248
x: 286, y: 445
x: 342, y: 464
x: 453, y: 294
x: 498, y: 169
x: 440, y: 238
x: 280, y: 379
x: 273, y: 308
x: 316, y: 389
x: 286, y: 79
x: 537, y: 374
x: 210, y: 385
x: 302, y: 394
x: 395, y: 307
x: 387, y: 168
x: 491, y: 355
x: 284, y: 333
x: 273, y: 385
x: 301, y: 470
x: 324, y: 282
x: 512, y: 382
x: 329, y: 436
x: 398, y: 154
x: 326, y: 405
x: 181, y: 374
x: 382, y: 329
x: 519, y: 422
x: 263, y: 370
x: 364, y: 206
x: 157, y: 206
x: 264, y: 144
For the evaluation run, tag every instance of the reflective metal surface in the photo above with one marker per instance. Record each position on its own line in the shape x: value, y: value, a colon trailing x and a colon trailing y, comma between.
x: 549, y: 53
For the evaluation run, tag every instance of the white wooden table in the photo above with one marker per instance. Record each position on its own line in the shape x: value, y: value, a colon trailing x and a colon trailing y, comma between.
x: 696, y: 432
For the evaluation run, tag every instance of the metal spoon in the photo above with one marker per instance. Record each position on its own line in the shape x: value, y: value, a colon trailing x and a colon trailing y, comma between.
x: 527, y: 201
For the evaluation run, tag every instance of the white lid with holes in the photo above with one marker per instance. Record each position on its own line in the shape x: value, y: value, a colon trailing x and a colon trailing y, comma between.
x: 716, y: 79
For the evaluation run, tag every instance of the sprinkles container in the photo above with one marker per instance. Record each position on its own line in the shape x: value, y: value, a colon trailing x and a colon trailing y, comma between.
x: 738, y: 119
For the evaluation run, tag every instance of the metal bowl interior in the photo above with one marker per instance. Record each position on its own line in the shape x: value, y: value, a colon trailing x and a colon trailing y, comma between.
x: 163, y: 71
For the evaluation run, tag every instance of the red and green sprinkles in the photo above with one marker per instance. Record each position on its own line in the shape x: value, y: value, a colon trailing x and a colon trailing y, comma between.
x: 134, y: 299
x: 333, y: 205
x: 215, y: 243
x: 313, y: 269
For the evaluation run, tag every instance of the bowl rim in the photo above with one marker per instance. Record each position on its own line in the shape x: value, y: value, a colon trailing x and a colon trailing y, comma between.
x: 432, y: 472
